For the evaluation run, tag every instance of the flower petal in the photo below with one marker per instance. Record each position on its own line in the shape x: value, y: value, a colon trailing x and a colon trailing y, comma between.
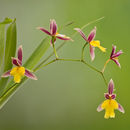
x: 6, y: 74
x: 92, y: 54
x: 117, y: 62
x: 113, y: 96
x: 92, y: 35
x: 63, y: 37
x: 106, y: 95
x: 44, y: 30
x: 120, y: 108
x: 30, y: 75
x: 113, y: 50
x: 117, y: 54
x: 16, y: 61
x: 99, y: 108
x: 20, y: 53
x: 81, y: 33
x: 110, y: 87
x: 53, y: 27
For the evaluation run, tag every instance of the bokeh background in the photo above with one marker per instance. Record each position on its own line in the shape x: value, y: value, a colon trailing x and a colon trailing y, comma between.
x: 66, y: 95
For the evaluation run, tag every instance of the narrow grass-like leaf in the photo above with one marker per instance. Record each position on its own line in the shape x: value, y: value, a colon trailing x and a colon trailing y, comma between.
x: 37, y: 54
x: 2, y: 40
x: 10, y: 50
x: 2, y: 44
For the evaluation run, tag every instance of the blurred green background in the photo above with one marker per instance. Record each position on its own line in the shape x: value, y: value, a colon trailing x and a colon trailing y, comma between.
x: 66, y: 95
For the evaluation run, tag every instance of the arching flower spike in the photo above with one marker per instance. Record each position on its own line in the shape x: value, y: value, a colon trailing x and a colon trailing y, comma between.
x: 110, y: 104
x: 92, y: 43
x: 19, y: 70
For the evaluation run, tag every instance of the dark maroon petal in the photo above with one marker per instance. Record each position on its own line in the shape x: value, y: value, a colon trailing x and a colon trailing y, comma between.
x: 110, y: 87
x: 117, y: 54
x: 113, y: 50
x: 117, y: 62
x: 44, y: 30
x: 20, y: 53
x: 15, y: 61
x: 30, y: 74
x: 81, y: 33
x: 99, y: 108
x: 106, y: 95
x: 6, y: 74
x: 53, y: 27
x: 92, y: 54
x: 113, y: 96
x: 92, y: 35
x: 120, y: 108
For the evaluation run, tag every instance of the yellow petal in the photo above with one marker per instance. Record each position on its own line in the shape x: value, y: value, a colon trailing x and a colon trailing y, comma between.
x: 17, y: 78
x: 17, y: 72
x: 102, y: 48
x: 97, y: 44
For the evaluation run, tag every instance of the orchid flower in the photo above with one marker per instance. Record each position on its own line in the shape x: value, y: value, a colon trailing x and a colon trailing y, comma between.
x: 114, y: 55
x: 110, y: 104
x: 53, y: 32
x: 92, y: 43
x: 19, y: 70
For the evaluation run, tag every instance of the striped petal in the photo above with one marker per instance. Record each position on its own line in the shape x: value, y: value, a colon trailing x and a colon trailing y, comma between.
x: 30, y: 75
x: 116, y: 61
x: 110, y: 87
x: 113, y: 51
x: 44, y: 30
x: 20, y: 54
x: 53, y: 27
x: 99, y: 108
x: 63, y: 37
x: 92, y: 54
x: 6, y: 74
x: 92, y: 35
x: 16, y: 61
x: 120, y: 108
x: 81, y: 33
x: 117, y: 54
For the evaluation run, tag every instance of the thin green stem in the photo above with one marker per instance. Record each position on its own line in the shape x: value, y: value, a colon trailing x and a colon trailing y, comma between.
x: 41, y: 66
x: 82, y: 54
x: 53, y: 44
x: 54, y: 49
x: 93, y: 68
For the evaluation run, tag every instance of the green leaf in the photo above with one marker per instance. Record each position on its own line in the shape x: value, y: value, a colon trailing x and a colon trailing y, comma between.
x: 2, y: 40
x: 38, y: 54
x: 10, y: 50
x: 2, y: 44
x: 33, y: 60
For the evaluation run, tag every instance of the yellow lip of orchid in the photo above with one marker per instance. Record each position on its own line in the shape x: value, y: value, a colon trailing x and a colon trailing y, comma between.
x: 109, y: 105
x: 17, y: 72
x: 97, y: 44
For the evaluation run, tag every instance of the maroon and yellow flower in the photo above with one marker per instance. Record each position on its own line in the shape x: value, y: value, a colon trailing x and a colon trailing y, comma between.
x: 53, y: 31
x: 92, y: 43
x: 110, y: 104
x: 19, y: 70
